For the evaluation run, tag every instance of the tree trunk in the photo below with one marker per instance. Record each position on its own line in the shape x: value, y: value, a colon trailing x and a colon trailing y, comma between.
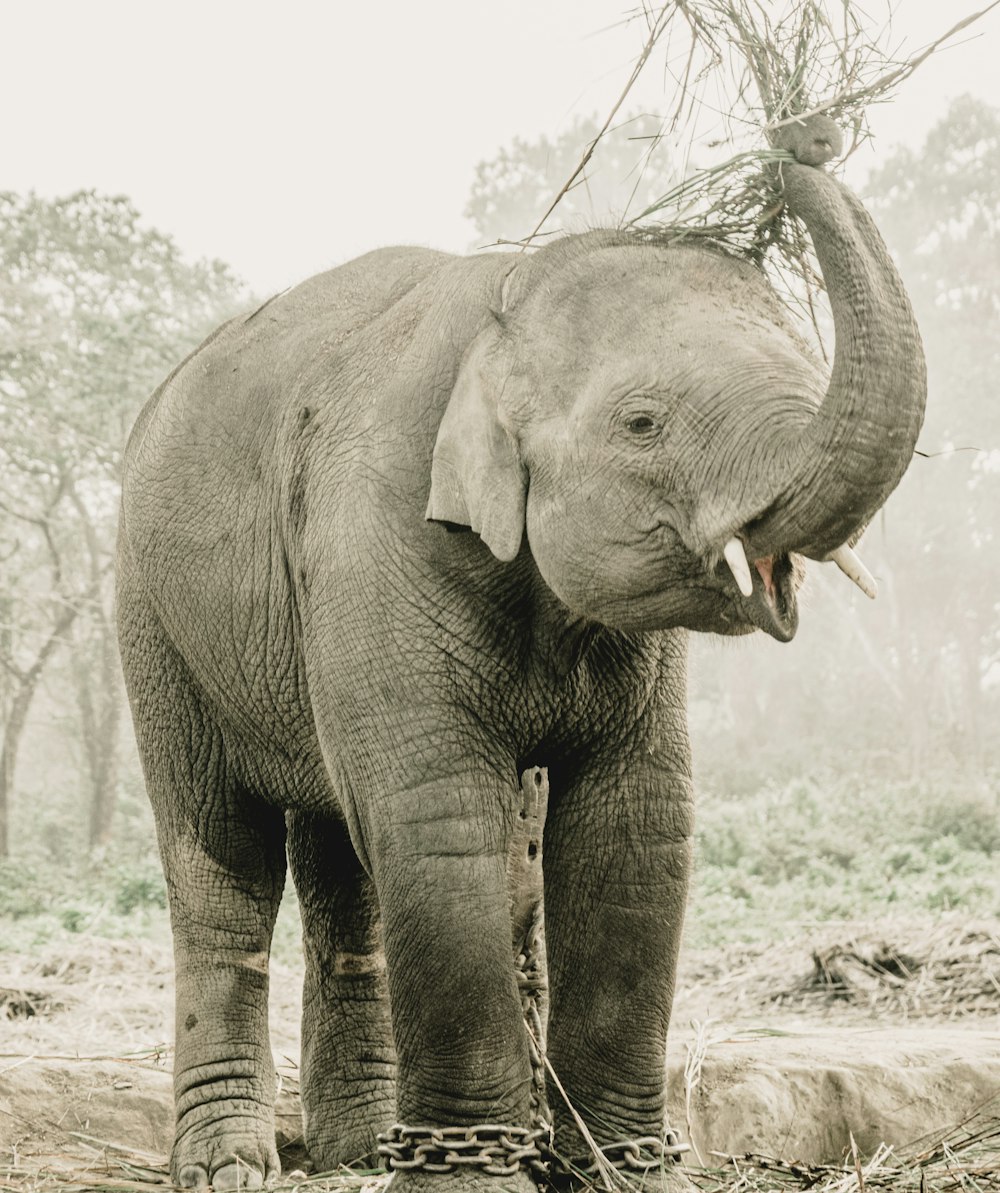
x: 99, y: 688
x: 105, y: 775
x: 99, y: 698
x: 17, y: 717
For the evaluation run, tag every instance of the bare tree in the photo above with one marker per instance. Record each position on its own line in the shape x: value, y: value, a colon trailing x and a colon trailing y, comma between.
x: 94, y: 309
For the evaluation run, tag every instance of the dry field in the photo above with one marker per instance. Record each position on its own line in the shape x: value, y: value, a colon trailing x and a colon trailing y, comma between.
x: 840, y: 1060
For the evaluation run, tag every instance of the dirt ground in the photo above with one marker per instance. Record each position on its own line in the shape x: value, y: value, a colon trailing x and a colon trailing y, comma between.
x: 789, y: 1051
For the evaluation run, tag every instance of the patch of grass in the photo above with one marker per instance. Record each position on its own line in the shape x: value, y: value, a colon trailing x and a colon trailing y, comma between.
x: 823, y: 851
x: 766, y: 862
x: 42, y: 903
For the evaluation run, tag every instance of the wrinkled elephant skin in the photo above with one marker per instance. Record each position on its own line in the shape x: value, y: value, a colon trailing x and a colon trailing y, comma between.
x: 410, y: 528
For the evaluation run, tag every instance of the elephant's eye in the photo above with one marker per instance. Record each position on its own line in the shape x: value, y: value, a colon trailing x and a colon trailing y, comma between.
x: 640, y: 424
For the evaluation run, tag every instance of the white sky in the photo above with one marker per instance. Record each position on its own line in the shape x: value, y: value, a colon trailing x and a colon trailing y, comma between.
x: 287, y: 137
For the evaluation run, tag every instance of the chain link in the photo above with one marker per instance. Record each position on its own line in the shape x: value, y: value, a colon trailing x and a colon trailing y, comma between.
x: 641, y: 1155
x: 497, y: 1149
x: 500, y: 1150
x: 532, y: 987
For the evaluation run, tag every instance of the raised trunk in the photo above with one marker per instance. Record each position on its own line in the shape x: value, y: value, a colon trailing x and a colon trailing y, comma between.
x: 860, y: 442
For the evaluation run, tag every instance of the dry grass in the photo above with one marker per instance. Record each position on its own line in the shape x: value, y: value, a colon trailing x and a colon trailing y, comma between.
x: 966, y: 1157
x: 899, y: 971
x: 903, y: 970
x: 954, y: 974
x: 758, y: 65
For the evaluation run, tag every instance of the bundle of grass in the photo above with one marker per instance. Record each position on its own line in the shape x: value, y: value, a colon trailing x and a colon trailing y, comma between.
x: 950, y: 972
x: 898, y: 968
x: 768, y: 66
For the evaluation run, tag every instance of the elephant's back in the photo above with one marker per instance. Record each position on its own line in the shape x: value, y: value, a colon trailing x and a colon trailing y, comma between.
x: 237, y: 380
x: 204, y: 479
x: 207, y: 445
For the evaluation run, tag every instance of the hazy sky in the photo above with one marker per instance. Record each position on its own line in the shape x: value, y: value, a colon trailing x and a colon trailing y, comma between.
x: 287, y: 138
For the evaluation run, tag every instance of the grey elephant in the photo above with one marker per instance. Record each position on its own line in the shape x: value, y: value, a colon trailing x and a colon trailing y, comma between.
x: 635, y: 443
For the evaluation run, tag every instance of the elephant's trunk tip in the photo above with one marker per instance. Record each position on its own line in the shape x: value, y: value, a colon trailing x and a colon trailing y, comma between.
x: 813, y: 140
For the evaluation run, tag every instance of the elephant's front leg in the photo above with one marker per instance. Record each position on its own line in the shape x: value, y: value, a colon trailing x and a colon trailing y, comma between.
x: 617, y: 856
x: 438, y: 853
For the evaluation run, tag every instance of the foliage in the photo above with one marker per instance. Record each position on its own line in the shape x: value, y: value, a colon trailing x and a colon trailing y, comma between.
x: 822, y: 850
x: 81, y: 897
x: 94, y: 309
x: 120, y: 898
x: 839, y: 849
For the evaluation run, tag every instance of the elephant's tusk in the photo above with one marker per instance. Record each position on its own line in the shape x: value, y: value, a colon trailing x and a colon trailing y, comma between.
x: 736, y: 557
x: 854, y: 569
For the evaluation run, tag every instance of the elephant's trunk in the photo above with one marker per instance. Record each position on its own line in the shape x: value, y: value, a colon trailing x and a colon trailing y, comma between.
x: 856, y: 449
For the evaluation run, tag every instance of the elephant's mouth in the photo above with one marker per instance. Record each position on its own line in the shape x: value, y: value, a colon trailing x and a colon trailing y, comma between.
x: 771, y: 605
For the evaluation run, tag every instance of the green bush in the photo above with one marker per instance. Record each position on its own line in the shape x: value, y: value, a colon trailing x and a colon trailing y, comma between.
x: 971, y: 819
x: 831, y: 849
x: 21, y: 891
x: 40, y: 899
x: 140, y: 890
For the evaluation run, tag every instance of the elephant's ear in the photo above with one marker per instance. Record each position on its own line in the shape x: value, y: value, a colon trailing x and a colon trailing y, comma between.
x: 477, y: 477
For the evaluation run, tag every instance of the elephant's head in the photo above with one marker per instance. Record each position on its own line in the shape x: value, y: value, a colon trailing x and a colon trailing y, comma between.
x: 649, y: 414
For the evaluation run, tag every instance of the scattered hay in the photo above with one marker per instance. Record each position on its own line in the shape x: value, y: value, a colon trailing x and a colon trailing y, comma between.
x: 94, y: 980
x: 899, y: 970
x: 760, y: 67
x: 97, y: 956
x: 966, y: 1156
x: 949, y: 974
x: 114, y: 1168
x: 22, y: 1003
x: 949, y: 971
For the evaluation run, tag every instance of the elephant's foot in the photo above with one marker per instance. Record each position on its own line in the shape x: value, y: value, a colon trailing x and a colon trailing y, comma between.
x: 644, y: 1164
x: 342, y: 1116
x: 461, y: 1180
x: 339, y: 1145
x: 235, y: 1153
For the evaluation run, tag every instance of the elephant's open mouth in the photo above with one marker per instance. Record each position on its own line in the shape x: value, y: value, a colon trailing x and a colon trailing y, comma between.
x: 771, y: 606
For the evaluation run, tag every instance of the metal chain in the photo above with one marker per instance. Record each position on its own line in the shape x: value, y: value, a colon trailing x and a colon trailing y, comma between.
x: 500, y: 1150
x: 529, y: 970
x: 641, y: 1155
x: 497, y: 1149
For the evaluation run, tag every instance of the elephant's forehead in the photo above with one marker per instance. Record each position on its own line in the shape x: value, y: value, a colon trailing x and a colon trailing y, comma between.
x: 622, y: 297
x: 650, y: 328
x: 626, y: 272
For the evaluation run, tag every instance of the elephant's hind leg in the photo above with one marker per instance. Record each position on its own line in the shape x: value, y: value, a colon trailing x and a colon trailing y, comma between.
x: 348, y: 1060
x: 223, y: 857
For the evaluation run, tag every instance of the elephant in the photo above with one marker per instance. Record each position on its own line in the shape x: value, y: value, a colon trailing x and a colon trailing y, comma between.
x: 410, y: 529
